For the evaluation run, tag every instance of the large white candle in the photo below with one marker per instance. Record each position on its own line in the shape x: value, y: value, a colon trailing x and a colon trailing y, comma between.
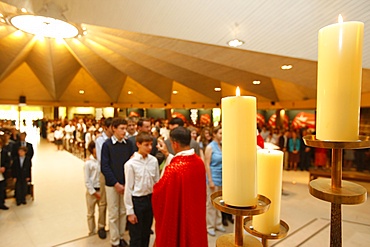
x: 339, y: 81
x: 269, y: 177
x: 239, y: 150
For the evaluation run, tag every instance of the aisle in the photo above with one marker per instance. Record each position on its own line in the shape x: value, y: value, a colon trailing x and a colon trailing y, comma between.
x: 58, y: 212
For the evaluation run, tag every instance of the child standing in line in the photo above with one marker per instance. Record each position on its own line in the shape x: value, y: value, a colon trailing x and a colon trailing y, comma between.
x: 21, y: 171
x: 58, y: 137
x: 141, y: 173
x: 92, y: 183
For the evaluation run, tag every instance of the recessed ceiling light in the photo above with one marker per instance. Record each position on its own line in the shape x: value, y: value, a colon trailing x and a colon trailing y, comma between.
x: 235, y: 42
x: 2, y: 20
x: 175, y: 92
x: 256, y: 82
x: 24, y: 10
x: 81, y: 92
x: 217, y: 89
x: 1, y: 15
x: 286, y: 66
x: 130, y: 92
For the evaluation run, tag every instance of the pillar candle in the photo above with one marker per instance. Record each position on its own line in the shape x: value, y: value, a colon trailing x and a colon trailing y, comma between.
x: 269, y: 177
x: 239, y: 150
x: 339, y: 81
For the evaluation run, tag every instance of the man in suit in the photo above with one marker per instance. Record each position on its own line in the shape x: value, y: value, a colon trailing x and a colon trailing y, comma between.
x: 21, y: 171
x: 176, y: 122
x: 283, y: 145
x: 22, y: 142
x: 4, y: 165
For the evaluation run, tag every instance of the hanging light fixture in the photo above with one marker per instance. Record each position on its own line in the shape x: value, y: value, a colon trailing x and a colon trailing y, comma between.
x: 48, y: 22
x: 44, y: 26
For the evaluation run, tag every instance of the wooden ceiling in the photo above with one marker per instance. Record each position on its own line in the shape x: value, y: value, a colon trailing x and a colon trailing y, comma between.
x: 124, y: 66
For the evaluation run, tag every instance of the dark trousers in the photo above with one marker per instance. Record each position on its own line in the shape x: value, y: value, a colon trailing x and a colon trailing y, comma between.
x: 140, y: 232
x: 20, y: 190
x: 305, y: 161
x: 2, y: 192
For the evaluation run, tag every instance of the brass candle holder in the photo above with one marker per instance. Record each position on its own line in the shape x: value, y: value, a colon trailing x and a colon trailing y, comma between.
x: 335, y: 190
x: 248, y: 226
x: 238, y: 238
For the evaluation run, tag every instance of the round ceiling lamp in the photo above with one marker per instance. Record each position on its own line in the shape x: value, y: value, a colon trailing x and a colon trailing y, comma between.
x: 44, y: 26
x: 235, y: 42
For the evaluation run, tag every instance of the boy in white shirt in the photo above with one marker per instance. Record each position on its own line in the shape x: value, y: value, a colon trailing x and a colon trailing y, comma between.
x: 92, y: 183
x: 141, y: 173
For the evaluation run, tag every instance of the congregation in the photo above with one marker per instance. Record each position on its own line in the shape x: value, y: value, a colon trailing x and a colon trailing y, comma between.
x: 87, y: 139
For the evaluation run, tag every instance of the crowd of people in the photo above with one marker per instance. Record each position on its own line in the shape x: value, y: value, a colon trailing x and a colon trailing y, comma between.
x: 137, y: 169
x: 299, y: 156
x: 132, y: 190
x: 15, y: 165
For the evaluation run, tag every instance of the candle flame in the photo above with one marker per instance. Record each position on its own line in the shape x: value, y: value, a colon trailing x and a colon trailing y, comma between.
x: 237, y: 91
x: 340, y: 18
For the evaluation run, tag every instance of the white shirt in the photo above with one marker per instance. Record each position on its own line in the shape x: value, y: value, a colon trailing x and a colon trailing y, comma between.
x: 99, y: 144
x: 140, y: 176
x: 128, y: 134
x: 58, y: 134
x: 170, y: 157
x: 92, y: 173
x: 115, y: 140
x: 165, y: 133
x: 69, y: 130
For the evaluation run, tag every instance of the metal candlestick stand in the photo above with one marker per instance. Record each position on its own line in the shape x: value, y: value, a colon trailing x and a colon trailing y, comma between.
x: 335, y: 190
x: 284, y: 228
x: 237, y: 239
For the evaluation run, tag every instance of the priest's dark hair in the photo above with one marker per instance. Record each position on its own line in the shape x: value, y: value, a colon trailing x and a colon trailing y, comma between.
x: 176, y: 120
x: 181, y: 135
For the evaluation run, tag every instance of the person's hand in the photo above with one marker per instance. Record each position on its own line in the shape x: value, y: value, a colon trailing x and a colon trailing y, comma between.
x: 162, y: 147
x: 28, y: 179
x: 97, y: 195
x: 2, y: 169
x: 132, y: 218
x: 15, y: 180
x: 119, y: 188
x: 211, y: 185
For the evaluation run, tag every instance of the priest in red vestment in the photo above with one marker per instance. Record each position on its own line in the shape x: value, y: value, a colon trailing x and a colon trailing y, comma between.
x: 179, y: 197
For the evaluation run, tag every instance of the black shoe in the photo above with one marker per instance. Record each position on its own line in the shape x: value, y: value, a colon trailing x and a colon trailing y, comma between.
x: 24, y: 202
x: 231, y: 220
x: 3, y: 207
x: 224, y: 222
x: 102, y: 233
x: 123, y: 243
x: 18, y: 203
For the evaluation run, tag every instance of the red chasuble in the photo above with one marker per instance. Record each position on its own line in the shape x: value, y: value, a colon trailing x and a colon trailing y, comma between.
x: 179, y: 204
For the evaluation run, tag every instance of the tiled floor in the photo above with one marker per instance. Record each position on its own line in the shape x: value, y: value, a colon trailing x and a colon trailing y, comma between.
x: 57, y: 216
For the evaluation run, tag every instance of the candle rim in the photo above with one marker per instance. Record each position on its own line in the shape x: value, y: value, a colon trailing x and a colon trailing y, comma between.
x: 342, y: 23
x: 244, y: 96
